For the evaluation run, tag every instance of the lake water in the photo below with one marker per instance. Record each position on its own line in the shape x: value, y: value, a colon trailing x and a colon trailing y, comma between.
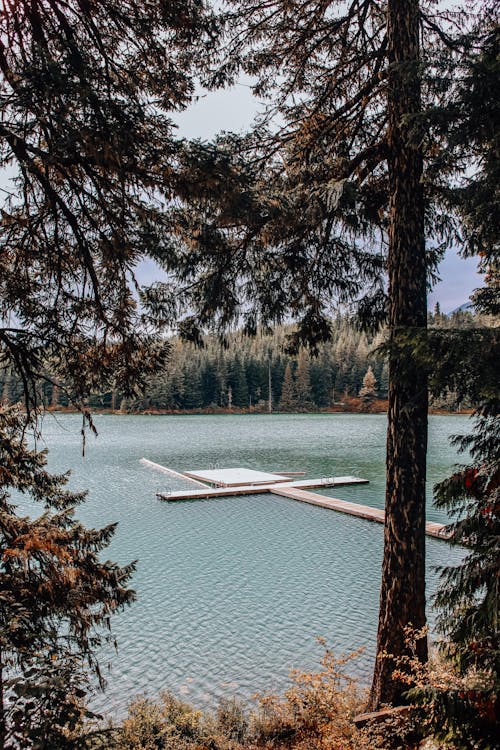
x: 232, y: 592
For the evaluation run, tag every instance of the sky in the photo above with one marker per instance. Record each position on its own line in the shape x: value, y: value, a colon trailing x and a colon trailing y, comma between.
x: 234, y: 109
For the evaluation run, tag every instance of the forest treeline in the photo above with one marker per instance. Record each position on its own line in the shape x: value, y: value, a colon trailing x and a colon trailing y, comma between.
x: 238, y: 374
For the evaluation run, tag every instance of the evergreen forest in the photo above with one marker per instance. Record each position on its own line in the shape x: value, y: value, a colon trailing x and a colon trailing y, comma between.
x: 236, y: 374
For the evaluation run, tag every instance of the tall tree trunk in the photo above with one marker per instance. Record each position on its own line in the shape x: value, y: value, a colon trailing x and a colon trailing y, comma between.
x: 402, y: 597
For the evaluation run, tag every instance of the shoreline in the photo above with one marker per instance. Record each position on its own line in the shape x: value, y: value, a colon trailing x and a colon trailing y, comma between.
x: 352, y: 406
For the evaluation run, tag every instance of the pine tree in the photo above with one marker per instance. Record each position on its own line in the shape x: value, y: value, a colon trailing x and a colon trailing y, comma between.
x: 255, y: 377
x: 192, y: 388
x: 236, y: 378
x: 384, y: 380
x: 321, y: 381
x: 57, y: 599
x: 468, y: 715
x: 369, y: 390
x: 177, y: 386
x: 288, y: 398
x: 303, y: 391
x: 210, y: 386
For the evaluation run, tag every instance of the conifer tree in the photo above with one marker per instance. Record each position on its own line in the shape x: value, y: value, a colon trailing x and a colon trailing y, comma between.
x: 384, y: 380
x: 57, y: 597
x: 255, y: 377
x: 303, y: 382
x: 86, y: 93
x: 468, y: 714
x: 236, y: 378
x: 210, y: 386
x: 368, y: 391
x: 346, y: 183
x: 192, y: 387
x: 87, y: 89
x: 288, y: 398
x: 321, y: 381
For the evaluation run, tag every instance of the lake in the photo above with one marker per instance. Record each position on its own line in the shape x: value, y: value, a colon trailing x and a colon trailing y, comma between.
x: 233, y: 592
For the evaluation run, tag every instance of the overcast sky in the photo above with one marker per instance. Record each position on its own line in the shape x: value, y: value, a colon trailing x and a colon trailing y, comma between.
x: 234, y: 109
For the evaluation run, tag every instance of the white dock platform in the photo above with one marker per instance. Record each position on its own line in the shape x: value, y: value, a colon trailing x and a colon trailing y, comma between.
x: 238, y: 477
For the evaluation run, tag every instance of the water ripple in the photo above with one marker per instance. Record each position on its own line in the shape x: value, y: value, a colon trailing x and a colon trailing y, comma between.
x: 232, y: 592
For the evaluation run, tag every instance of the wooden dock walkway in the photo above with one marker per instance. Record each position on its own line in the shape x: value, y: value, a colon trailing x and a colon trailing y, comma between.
x: 171, y: 472
x: 255, y: 489
x: 353, y: 509
x: 314, y: 484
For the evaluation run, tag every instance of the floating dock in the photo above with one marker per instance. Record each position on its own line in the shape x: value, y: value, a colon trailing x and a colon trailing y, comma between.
x: 242, y: 481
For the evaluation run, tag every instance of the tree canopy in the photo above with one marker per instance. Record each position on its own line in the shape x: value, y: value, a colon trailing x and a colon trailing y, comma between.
x: 86, y: 138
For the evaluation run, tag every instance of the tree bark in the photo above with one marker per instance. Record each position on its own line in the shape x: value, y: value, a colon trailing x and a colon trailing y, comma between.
x: 402, y: 597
